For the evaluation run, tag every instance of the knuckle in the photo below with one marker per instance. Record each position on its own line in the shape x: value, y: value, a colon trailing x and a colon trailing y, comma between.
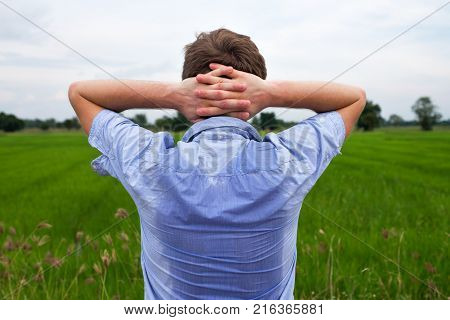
x: 205, y: 110
x: 220, y: 95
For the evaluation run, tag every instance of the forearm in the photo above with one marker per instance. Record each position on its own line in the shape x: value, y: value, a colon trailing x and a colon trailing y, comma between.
x: 125, y: 94
x: 88, y: 98
x: 320, y: 97
x: 316, y: 96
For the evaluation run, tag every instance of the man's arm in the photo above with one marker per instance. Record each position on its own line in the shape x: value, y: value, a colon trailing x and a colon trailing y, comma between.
x: 320, y: 97
x: 88, y: 98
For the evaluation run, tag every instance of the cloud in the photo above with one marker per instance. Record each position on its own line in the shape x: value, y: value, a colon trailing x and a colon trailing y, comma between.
x: 14, y: 28
x: 7, y: 96
x: 300, y: 41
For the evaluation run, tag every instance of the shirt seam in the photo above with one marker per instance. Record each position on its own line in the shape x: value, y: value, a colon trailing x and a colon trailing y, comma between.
x: 236, y: 173
x: 97, y: 123
x: 338, y: 128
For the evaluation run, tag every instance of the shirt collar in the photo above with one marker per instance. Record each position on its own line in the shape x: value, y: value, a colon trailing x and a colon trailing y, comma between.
x: 238, y: 126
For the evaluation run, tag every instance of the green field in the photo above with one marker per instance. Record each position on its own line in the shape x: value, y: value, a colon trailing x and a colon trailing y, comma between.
x: 376, y: 226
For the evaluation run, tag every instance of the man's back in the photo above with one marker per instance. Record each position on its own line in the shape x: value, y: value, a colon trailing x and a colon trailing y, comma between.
x: 218, y: 210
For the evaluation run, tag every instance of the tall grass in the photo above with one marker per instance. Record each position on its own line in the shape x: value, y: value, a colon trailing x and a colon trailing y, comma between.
x: 374, y: 227
x: 102, y: 266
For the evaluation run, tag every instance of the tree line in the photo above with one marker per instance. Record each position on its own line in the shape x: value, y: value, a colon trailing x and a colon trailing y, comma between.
x: 263, y: 121
x: 424, y: 110
x: 11, y: 123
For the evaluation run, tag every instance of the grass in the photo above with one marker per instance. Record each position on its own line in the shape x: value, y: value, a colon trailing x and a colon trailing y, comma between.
x: 374, y: 227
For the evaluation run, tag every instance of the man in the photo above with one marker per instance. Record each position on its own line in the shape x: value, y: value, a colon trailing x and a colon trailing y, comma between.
x: 219, y: 209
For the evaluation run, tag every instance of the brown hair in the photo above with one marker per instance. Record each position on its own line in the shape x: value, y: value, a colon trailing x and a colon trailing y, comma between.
x: 225, y: 47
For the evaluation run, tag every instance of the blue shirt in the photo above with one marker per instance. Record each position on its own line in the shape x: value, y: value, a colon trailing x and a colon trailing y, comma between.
x: 219, y: 209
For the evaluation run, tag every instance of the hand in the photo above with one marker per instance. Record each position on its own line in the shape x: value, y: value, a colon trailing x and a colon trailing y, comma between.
x: 188, y: 102
x: 218, y: 91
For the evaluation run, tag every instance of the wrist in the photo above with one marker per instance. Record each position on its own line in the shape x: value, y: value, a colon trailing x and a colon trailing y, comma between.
x: 274, y: 94
x: 263, y: 97
x: 173, y: 96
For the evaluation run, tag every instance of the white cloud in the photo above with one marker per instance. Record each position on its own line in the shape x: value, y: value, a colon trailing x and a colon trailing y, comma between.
x: 7, y: 96
x: 300, y: 40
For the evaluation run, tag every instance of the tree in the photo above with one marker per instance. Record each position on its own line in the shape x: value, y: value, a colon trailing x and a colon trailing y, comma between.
x: 32, y: 123
x: 426, y: 113
x: 51, y: 123
x: 164, y: 123
x: 256, y: 123
x: 140, y: 119
x: 10, y: 123
x: 370, y: 117
x: 268, y: 120
x: 180, y: 123
x: 44, y: 126
x: 71, y: 123
x: 47, y: 124
x: 76, y: 123
x: 395, y: 120
x: 67, y: 124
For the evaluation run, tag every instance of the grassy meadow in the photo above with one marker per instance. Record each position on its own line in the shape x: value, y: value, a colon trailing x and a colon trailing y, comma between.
x: 376, y: 225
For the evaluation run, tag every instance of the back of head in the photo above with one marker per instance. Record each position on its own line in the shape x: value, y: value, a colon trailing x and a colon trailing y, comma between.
x: 225, y: 47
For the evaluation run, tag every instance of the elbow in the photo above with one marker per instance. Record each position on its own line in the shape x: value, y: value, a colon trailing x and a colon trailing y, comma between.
x: 74, y: 92
x: 362, y: 95
x: 362, y: 98
x: 74, y: 87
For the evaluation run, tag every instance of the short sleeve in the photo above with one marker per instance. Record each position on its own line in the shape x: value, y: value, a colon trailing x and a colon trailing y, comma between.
x: 120, y: 141
x: 316, y: 140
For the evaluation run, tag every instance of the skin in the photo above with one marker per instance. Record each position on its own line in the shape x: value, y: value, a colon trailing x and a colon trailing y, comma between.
x: 88, y: 98
x: 223, y: 91
x: 320, y: 97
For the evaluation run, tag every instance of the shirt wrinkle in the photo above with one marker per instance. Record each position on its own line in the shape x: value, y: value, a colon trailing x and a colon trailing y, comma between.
x: 219, y: 209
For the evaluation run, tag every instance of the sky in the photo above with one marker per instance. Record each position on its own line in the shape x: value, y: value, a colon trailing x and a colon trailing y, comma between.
x: 300, y: 40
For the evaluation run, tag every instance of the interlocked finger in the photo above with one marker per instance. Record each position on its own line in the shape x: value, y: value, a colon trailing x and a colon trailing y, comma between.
x: 215, y: 94
x: 216, y: 111
x: 231, y: 74
x: 232, y: 104
x: 221, y: 71
x: 240, y: 115
x: 229, y: 86
x: 208, y: 79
